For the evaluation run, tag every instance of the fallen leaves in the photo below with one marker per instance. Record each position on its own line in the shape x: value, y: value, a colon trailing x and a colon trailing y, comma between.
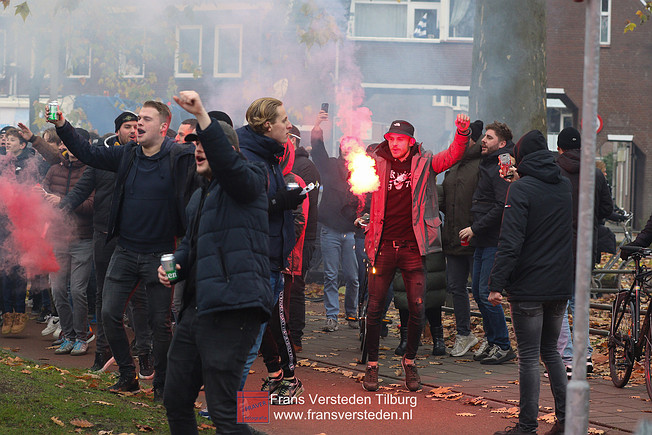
x: 81, y: 423
x: 57, y: 421
x: 465, y: 414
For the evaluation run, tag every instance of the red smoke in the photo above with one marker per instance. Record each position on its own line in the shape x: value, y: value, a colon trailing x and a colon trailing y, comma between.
x: 29, y: 218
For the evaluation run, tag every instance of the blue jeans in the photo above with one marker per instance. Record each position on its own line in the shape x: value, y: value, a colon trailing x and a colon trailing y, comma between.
x: 126, y: 270
x: 565, y: 342
x: 537, y: 325
x: 208, y: 350
x: 76, y: 263
x: 458, y: 269
x: 339, y: 249
x: 493, y: 318
x: 276, y: 282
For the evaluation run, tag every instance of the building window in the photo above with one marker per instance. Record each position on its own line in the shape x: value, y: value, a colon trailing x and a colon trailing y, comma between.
x: 78, y: 59
x: 392, y: 19
x: 188, y: 54
x: 3, y: 52
x: 455, y: 102
x: 228, y: 51
x: 132, y: 63
x: 605, y: 22
x: 461, y: 18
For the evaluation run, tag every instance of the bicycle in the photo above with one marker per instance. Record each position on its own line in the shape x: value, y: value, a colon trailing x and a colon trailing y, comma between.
x: 627, y: 342
x: 610, y: 268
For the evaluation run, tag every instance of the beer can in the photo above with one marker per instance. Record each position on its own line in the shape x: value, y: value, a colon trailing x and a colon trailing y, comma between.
x: 291, y: 186
x: 169, y: 266
x: 53, y: 107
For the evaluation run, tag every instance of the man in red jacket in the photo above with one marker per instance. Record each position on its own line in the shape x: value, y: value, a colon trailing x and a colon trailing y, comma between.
x: 403, y: 228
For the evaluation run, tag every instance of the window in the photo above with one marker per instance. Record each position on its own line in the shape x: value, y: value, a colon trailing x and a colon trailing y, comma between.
x: 455, y: 102
x: 3, y: 51
x: 461, y: 18
x: 605, y: 22
x: 392, y: 19
x: 188, y: 54
x: 132, y: 63
x: 228, y: 51
x: 78, y: 59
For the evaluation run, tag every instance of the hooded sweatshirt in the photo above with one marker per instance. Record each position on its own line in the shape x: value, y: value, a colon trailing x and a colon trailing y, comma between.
x: 535, y: 247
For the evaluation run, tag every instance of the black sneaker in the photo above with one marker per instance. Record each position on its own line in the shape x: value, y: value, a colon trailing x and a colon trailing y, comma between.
x: 101, y: 363
x: 126, y: 384
x: 589, y: 365
x: 44, y: 316
x: 145, y: 365
x: 499, y: 356
x: 514, y: 430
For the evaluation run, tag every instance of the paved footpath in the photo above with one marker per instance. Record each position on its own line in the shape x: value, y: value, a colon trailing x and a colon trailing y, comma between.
x: 459, y: 396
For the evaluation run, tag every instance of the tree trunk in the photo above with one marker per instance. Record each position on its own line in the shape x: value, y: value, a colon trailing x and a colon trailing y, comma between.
x: 508, y: 81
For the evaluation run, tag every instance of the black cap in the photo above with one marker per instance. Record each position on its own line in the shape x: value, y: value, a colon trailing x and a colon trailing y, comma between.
x: 401, y: 127
x: 569, y: 139
x: 124, y: 117
x: 220, y: 116
x: 4, y: 129
x: 531, y: 141
x: 83, y: 133
x: 190, y: 137
x: 476, y: 130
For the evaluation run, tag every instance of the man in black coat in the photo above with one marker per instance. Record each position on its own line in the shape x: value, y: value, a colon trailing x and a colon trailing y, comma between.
x: 223, y: 259
x: 569, y: 143
x: 535, y: 250
x: 487, y: 208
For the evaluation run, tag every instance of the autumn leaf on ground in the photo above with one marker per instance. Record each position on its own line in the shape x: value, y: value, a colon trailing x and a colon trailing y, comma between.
x: 476, y: 401
x: 144, y: 428
x: 593, y: 430
x: 465, y: 414
x: 27, y: 372
x: 440, y: 390
x: 101, y: 402
x: 81, y: 423
x: 57, y: 421
x: 548, y: 418
x: 205, y: 426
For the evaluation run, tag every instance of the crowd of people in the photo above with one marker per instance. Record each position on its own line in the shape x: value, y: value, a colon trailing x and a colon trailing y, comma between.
x: 235, y: 208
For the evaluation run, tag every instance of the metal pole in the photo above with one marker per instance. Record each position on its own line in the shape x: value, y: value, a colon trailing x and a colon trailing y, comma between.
x: 577, y: 399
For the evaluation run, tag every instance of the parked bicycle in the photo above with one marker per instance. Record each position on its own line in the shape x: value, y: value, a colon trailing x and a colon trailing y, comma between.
x: 613, y: 266
x: 629, y: 340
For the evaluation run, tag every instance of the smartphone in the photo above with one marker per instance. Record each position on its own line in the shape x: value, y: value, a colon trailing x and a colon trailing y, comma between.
x: 505, y: 163
x: 324, y: 107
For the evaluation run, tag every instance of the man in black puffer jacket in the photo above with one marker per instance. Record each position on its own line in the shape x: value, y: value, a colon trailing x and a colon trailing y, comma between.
x: 532, y: 265
x: 223, y: 259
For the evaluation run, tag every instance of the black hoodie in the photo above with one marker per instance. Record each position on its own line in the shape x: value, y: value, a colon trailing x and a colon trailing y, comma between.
x: 535, y: 247
x: 569, y: 162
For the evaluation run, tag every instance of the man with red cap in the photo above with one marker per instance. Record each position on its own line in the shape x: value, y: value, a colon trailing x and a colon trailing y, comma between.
x: 403, y: 228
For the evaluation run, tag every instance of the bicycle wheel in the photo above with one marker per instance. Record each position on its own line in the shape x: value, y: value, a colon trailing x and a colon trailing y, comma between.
x: 648, y: 363
x: 624, y: 280
x: 621, y: 344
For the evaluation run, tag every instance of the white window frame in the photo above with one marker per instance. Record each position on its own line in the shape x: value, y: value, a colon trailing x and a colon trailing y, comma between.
x: 455, y: 102
x: 606, y: 14
x: 3, y: 58
x: 70, y: 75
x: 411, y: 5
x: 216, y: 60
x: 176, y: 52
x: 444, y: 25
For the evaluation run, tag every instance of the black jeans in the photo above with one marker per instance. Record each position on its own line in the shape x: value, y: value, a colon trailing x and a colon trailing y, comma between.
x: 277, y: 346
x: 537, y: 326
x: 126, y: 270
x: 298, y: 294
x: 458, y: 269
x: 392, y: 256
x: 208, y: 350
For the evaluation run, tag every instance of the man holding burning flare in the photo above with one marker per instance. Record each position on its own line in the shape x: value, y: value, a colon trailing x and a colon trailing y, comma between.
x: 403, y: 228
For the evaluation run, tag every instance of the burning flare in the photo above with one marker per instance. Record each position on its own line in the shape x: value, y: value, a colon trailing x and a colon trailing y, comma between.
x: 364, y: 178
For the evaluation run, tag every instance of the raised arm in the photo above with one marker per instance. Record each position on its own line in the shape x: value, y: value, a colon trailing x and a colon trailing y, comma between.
x: 453, y: 154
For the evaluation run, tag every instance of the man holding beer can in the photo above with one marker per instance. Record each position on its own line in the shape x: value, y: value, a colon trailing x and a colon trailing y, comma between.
x: 223, y: 260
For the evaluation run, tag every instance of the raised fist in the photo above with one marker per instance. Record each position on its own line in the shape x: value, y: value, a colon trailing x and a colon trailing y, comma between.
x: 462, y: 122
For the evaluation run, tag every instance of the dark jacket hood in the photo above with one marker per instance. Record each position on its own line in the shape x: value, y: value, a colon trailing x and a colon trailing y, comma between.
x: 301, y: 152
x: 541, y: 165
x: 267, y: 148
x: 569, y: 161
x: 530, y: 142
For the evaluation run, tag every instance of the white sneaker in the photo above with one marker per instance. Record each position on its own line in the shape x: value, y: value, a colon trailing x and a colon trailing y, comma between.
x: 482, y: 351
x: 53, y: 324
x: 463, y: 343
x: 57, y: 332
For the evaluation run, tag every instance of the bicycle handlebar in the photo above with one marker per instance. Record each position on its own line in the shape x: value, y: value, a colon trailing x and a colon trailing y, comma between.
x: 636, y: 250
